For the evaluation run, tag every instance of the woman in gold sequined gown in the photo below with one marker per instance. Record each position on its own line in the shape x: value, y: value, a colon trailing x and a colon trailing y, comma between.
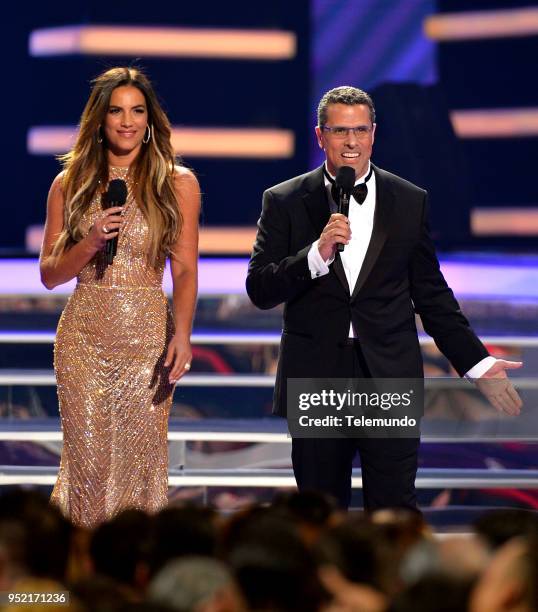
x: 119, y: 348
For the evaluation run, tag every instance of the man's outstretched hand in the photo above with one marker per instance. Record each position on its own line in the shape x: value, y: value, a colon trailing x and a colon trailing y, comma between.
x: 498, y: 389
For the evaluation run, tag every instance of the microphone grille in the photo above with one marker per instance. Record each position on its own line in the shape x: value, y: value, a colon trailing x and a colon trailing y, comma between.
x: 345, y: 178
x: 117, y: 192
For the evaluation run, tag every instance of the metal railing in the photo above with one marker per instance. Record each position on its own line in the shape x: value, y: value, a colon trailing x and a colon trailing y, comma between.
x: 427, y: 478
x: 247, y: 338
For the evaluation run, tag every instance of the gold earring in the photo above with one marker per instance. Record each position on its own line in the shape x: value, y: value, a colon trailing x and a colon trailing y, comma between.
x: 99, y: 136
x: 145, y: 140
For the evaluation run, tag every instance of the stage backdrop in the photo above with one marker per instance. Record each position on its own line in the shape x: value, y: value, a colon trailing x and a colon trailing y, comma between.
x: 218, y: 67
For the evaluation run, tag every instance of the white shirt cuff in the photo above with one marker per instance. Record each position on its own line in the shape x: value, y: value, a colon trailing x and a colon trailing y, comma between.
x: 478, y: 370
x: 316, y: 265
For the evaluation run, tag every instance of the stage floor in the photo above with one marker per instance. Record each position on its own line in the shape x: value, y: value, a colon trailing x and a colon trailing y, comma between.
x: 471, y: 275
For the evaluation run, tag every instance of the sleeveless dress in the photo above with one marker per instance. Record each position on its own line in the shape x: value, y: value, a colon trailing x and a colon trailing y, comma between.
x: 113, y: 389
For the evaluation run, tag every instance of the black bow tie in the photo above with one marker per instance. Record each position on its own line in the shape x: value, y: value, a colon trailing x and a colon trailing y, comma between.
x: 359, y: 192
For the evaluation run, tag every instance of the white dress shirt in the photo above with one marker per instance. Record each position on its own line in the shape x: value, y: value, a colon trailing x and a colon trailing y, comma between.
x: 361, y: 222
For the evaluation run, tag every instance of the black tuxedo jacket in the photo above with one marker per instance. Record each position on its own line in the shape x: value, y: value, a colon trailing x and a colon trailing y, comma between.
x: 400, y: 276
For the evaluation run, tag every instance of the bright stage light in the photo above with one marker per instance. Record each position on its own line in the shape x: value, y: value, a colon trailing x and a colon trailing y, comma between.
x: 508, y: 221
x: 213, y: 43
x: 495, y: 123
x: 482, y: 24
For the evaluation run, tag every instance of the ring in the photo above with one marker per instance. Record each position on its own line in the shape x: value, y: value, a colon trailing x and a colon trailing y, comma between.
x: 187, y: 366
x: 105, y: 229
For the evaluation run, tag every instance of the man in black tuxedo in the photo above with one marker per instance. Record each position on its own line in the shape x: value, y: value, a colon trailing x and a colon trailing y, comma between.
x: 353, y: 314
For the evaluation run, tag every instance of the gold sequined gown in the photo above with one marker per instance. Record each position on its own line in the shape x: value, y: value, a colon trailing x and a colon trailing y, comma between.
x: 113, y: 390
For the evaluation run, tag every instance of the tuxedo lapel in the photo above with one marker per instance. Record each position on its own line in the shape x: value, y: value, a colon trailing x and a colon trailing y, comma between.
x: 317, y: 205
x: 316, y: 201
x: 382, y: 217
x: 339, y: 271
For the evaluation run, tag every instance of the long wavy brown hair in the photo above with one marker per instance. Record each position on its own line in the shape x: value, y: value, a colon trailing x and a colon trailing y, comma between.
x: 85, y: 167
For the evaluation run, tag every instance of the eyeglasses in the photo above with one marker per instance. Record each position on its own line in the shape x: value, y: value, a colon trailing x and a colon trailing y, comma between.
x: 339, y: 131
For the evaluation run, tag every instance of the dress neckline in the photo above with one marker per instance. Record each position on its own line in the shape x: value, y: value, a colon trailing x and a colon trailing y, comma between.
x: 120, y: 169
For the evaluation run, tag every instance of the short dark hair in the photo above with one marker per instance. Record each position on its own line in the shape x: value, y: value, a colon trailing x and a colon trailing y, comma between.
x: 344, y: 95
x: 121, y: 544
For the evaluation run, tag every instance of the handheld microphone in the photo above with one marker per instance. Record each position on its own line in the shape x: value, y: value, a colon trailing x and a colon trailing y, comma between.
x: 115, y: 196
x: 345, y: 180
